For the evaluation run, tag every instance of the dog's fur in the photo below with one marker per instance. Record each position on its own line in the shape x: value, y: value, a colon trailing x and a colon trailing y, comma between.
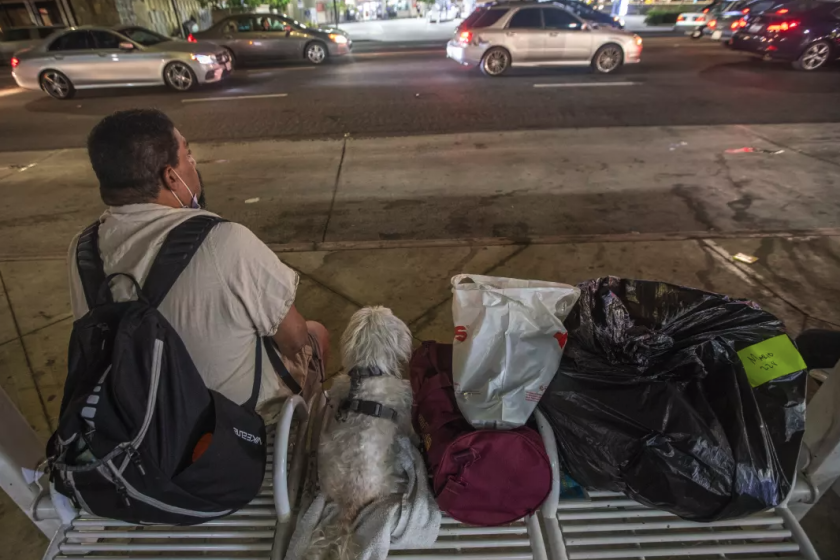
x: 356, y: 456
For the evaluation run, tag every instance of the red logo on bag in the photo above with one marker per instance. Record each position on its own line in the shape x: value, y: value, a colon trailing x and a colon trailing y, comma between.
x: 460, y: 334
x: 561, y: 339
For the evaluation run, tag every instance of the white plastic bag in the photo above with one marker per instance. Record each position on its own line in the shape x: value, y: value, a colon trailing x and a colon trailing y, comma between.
x: 509, y: 338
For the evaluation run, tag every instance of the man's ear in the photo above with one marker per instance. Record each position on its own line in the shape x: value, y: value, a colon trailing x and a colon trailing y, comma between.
x: 168, y: 178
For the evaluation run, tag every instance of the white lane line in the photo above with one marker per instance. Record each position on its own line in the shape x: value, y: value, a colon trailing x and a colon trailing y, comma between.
x: 586, y: 84
x: 233, y: 97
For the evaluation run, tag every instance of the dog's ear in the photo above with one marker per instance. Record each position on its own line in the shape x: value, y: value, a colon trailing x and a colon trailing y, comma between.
x: 376, y: 337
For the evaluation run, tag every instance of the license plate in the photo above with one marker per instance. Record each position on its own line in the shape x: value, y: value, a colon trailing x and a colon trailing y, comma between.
x: 755, y: 28
x: 717, y: 35
x: 227, y: 66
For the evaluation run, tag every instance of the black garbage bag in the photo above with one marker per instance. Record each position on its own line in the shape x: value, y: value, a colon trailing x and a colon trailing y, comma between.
x: 652, y: 399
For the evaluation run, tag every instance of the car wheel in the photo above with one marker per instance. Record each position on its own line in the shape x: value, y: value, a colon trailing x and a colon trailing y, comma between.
x: 697, y: 33
x: 815, y: 56
x: 57, y: 85
x: 315, y: 52
x: 495, y: 62
x: 232, y: 58
x: 179, y: 76
x: 608, y: 58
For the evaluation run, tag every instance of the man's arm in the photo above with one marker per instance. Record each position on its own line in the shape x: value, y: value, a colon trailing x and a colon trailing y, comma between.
x: 291, y: 335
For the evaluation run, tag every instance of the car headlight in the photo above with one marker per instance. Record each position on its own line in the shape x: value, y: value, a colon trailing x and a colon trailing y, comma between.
x: 616, y: 18
x: 336, y: 38
x: 204, y: 58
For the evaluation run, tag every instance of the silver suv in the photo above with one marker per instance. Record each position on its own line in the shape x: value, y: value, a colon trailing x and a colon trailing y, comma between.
x: 504, y: 34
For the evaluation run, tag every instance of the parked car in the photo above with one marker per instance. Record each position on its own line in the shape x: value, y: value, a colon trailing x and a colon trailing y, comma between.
x: 99, y: 57
x: 529, y: 33
x: 693, y: 23
x: 264, y: 37
x: 805, y: 33
x: 591, y: 15
x: 736, y: 15
x: 17, y: 38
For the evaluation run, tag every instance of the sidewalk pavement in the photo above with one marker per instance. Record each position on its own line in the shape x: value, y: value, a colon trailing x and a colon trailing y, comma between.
x: 390, y: 221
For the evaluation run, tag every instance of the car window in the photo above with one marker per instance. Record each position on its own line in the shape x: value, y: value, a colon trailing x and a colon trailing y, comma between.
x: 44, y: 32
x: 144, y: 36
x: 245, y: 24
x: 271, y: 24
x: 560, y: 19
x: 73, y: 41
x: 484, y: 18
x: 526, y: 18
x: 14, y: 35
x: 106, y: 40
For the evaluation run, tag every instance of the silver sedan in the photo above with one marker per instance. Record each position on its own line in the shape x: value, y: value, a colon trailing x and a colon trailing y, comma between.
x: 500, y: 35
x: 98, y: 57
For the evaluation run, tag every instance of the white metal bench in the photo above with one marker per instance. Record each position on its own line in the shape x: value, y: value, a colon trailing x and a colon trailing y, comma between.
x: 605, y: 526
x: 608, y: 525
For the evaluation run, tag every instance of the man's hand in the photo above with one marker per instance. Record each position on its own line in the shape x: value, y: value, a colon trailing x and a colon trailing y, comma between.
x: 291, y: 335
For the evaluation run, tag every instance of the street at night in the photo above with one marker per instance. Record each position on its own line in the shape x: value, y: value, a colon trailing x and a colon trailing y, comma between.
x: 378, y: 178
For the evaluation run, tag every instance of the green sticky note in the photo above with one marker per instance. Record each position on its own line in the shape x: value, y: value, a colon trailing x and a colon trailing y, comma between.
x: 770, y: 359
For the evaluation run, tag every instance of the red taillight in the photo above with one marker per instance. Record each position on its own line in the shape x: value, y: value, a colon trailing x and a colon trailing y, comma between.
x: 680, y: 18
x: 705, y: 10
x: 700, y: 19
x: 465, y: 38
x: 782, y: 12
x: 15, y: 62
x: 745, y: 11
x: 713, y: 24
x: 191, y: 38
x: 784, y: 26
x: 739, y: 24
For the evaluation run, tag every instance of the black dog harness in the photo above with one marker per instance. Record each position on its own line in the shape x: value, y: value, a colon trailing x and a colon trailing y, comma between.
x: 359, y: 406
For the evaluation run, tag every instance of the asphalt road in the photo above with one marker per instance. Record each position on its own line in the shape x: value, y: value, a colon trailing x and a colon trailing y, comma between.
x: 414, y: 89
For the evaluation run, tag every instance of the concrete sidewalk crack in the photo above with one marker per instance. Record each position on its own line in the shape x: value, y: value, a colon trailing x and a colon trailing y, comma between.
x: 26, y: 354
x: 418, y: 322
x: 335, y: 190
x: 754, y: 278
x: 326, y: 287
x: 788, y: 147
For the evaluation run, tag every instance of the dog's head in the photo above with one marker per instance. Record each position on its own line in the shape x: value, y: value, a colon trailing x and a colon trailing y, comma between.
x: 376, y: 337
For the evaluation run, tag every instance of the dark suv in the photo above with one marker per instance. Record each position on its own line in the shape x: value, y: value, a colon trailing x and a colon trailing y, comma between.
x: 806, y: 33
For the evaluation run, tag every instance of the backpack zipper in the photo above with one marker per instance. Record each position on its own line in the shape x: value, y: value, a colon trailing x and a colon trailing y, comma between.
x: 157, y: 358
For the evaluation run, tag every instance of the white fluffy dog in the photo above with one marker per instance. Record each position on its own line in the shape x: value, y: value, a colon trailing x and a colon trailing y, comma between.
x: 356, y: 456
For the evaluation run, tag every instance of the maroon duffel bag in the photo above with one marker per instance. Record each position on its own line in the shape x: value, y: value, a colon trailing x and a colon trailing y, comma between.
x: 481, y: 477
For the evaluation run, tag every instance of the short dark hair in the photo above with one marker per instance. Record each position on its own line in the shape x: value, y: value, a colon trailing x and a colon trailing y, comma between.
x: 128, y: 151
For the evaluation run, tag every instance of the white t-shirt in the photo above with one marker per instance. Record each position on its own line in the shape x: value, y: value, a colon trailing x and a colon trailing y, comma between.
x: 234, y: 289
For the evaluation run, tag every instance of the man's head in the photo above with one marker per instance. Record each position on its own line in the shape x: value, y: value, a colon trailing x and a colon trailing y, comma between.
x: 139, y: 156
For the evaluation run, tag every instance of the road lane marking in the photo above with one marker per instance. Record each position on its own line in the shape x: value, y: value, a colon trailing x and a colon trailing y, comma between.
x: 585, y: 84
x: 233, y: 97
x: 397, y: 53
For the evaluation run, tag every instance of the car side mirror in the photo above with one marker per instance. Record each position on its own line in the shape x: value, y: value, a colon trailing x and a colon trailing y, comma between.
x: 126, y: 46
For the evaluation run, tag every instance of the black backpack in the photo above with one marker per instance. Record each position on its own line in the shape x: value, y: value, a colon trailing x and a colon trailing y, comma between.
x: 135, y: 407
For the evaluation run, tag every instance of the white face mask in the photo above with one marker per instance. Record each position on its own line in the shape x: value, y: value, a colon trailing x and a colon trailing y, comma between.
x: 193, y: 201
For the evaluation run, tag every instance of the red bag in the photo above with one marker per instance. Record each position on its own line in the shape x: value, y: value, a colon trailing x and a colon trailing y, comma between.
x: 481, y: 477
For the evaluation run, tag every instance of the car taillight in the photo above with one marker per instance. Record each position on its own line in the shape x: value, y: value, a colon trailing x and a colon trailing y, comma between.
x: 782, y: 12
x: 192, y: 38
x: 784, y: 26
x: 713, y: 24
x: 700, y: 19
x: 465, y: 38
x: 738, y: 24
x: 705, y: 10
x: 745, y: 11
x: 15, y: 62
x: 680, y: 18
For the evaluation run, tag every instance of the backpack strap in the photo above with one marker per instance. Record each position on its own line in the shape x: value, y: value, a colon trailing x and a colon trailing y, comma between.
x: 279, y: 367
x: 90, y: 266
x: 175, y: 254
x: 251, y: 403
